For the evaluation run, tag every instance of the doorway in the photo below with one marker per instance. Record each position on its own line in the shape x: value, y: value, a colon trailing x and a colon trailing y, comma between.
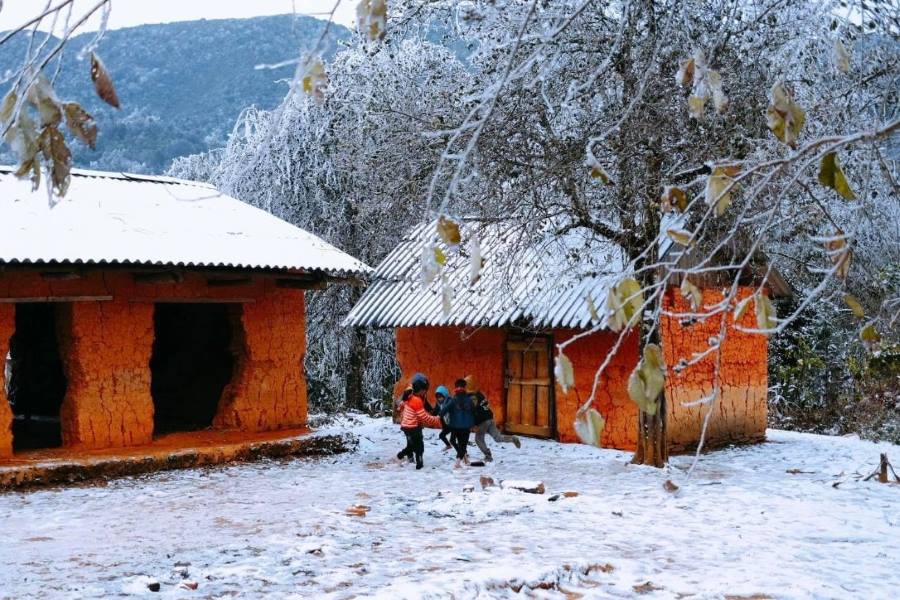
x: 191, y: 363
x: 35, y: 378
x: 529, y: 386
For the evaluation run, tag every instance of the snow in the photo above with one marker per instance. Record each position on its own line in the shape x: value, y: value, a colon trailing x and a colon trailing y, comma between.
x: 135, y: 219
x: 763, y: 520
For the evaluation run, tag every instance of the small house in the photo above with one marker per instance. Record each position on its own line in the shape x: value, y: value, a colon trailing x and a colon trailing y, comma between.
x: 136, y: 306
x: 505, y: 319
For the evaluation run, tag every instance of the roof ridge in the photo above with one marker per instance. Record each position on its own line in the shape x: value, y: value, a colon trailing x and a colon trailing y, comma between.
x: 124, y: 176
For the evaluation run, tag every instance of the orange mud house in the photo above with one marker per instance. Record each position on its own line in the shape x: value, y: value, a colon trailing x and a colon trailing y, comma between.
x: 503, y: 328
x: 139, y: 306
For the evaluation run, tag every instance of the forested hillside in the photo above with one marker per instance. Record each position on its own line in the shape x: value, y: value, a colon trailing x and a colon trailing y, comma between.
x: 182, y: 85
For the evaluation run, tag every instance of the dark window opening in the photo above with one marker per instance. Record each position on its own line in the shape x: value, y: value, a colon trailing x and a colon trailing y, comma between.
x: 191, y: 364
x: 35, y: 379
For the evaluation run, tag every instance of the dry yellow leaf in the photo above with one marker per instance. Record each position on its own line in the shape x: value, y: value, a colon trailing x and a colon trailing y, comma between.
x: 647, y: 380
x: 765, y: 312
x: 692, y: 293
x: 719, y: 186
x: 564, y: 372
x: 855, y: 305
x: 831, y: 175
x: 448, y: 230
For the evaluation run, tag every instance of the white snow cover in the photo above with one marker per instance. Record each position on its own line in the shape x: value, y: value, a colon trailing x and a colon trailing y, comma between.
x: 765, y: 520
x: 529, y: 278
x: 116, y: 218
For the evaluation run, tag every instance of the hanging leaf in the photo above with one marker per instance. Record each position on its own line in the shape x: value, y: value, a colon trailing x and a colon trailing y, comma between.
x: 624, y: 302
x: 741, y: 308
x: 476, y: 262
x: 314, y: 80
x: 439, y: 256
x: 870, y: 337
x: 673, y: 198
x: 430, y: 266
x: 371, y: 19
x: 54, y: 148
x: 43, y: 98
x: 720, y: 100
x: 22, y: 137
x: 680, y: 236
x: 831, y: 175
x: 103, y: 82
x: 80, y: 123
x: 695, y: 106
x: 564, y: 372
x: 448, y: 230
x: 692, y: 293
x: 685, y: 74
x: 784, y: 117
x: 589, y: 427
x: 854, y: 305
x: 839, y: 253
x: 841, y: 57
x: 592, y: 309
x: 598, y: 172
x: 8, y: 106
x: 647, y: 380
x: 446, y: 295
x: 719, y: 186
x: 765, y: 312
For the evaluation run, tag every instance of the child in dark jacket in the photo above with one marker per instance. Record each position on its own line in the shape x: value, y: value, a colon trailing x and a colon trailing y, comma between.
x: 412, y: 418
x: 442, y: 395
x: 484, y: 424
x: 460, y: 409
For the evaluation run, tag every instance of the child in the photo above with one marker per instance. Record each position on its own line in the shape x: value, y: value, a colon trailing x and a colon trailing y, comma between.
x: 442, y: 395
x: 412, y: 418
x: 460, y: 408
x: 484, y: 423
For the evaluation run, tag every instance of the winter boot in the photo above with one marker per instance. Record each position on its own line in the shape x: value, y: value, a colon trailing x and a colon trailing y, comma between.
x: 488, y: 457
x: 517, y: 442
x: 419, y: 462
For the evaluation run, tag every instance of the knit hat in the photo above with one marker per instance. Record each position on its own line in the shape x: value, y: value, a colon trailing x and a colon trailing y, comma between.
x: 442, y: 391
x: 419, y: 382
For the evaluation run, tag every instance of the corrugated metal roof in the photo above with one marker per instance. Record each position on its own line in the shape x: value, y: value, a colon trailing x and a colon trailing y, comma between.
x: 528, y: 280
x: 116, y: 218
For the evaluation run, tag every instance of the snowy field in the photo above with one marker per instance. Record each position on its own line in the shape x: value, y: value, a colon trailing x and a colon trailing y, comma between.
x: 754, y: 522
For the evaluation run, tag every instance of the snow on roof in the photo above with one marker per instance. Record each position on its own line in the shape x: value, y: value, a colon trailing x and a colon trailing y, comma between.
x: 543, y: 281
x: 117, y: 218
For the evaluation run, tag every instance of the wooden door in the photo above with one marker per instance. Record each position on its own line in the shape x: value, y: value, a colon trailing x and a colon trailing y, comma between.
x: 529, y: 386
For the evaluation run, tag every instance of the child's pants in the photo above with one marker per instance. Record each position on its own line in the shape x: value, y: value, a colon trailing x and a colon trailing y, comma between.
x: 445, y: 431
x: 490, y: 428
x: 460, y: 439
x: 415, y: 445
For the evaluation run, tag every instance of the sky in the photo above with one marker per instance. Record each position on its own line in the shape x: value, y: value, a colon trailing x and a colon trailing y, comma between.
x: 128, y: 13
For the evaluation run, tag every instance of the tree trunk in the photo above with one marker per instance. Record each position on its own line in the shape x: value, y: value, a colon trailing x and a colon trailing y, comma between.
x: 652, y: 446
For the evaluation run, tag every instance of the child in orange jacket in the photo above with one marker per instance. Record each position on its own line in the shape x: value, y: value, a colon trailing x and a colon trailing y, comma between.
x: 412, y: 418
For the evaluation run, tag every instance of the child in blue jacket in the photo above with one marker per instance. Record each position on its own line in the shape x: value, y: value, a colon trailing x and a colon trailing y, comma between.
x: 441, y: 396
x: 461, y: 416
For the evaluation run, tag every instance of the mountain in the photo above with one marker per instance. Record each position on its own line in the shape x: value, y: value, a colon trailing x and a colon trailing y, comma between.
x: 181, y: 85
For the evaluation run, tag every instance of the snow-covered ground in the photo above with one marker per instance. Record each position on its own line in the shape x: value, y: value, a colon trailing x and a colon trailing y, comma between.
x: 752, y: 522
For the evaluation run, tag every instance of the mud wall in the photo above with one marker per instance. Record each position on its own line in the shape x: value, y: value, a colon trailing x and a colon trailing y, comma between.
x: 7, y: 327
x: 739, y: 414
x: 611, y: 399
x: 105, y: 331
x: 105, y: 348
x: 445, y: 354
x: 268, y: 389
